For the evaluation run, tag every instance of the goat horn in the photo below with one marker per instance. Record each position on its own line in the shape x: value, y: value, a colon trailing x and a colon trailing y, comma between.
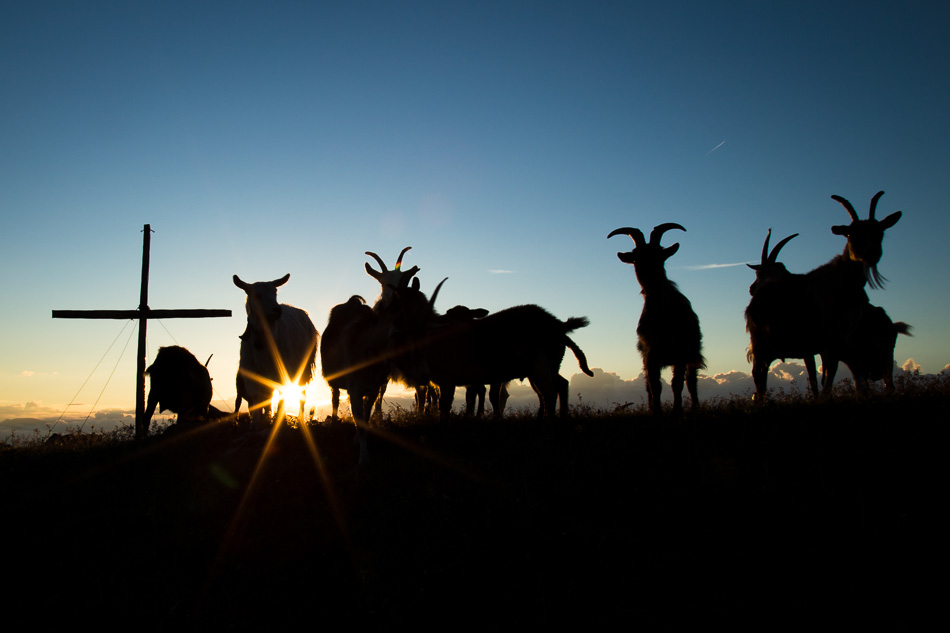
x: 874, y: 200
x: 658, y: 231
x: 765, y: 248
x: 436, y: 293
x: 774, y: 254
x: 635, y: 234
x: 847, y: 205
x: 379, y: 260
x: 401, y: 253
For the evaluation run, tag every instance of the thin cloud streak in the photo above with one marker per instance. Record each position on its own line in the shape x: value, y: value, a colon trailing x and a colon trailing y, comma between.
x: 715, y: 148
x: 710, y: 266
x: 500, y: 271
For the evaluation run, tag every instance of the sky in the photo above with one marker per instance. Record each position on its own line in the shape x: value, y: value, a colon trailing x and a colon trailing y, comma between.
x: 503, y: 141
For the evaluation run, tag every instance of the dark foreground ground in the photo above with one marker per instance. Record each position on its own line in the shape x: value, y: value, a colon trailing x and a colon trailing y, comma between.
x: 792, y: 515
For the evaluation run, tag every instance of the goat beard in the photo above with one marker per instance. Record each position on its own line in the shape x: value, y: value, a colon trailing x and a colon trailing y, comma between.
x: 875, y: 279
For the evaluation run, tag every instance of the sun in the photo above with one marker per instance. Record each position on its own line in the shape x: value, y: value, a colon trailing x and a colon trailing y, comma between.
x: 292, y: 394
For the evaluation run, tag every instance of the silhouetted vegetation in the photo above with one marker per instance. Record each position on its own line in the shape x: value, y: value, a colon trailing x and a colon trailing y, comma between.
x: 788, y: 513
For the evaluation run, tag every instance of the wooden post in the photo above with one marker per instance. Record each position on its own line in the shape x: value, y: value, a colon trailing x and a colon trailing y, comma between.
x: 140, y: 362
x: 143, y: 314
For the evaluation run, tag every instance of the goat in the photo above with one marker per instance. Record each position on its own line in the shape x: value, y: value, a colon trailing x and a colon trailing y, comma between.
x: 668, y: 331
x: 278, y: 346
x: 178, y: 382
x: 522, y: 341
x: 475, y: 394
x: 800, y: 315
x: 768, y: 270
x: 389, y: 280
x: 352, y: 358
x: 868, y: 351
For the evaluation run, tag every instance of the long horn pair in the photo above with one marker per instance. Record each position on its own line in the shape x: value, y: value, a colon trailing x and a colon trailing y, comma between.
x: 382, y: 264
x: 769, y: 258
x: 851, y: 211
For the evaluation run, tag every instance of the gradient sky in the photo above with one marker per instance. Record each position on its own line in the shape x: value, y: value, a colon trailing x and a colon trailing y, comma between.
x: 501, y: 140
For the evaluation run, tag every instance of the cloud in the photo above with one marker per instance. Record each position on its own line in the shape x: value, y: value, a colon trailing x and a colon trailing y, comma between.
x: 911, y: 366
x: 715, y: 148
x: 713, y: 266
x: 500, y: 271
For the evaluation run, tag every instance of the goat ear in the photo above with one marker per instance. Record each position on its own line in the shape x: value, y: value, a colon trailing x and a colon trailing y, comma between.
x: 415, y: 283
x: 754, y: 266
x: 282, y: 280
x: 240, y: 284
x: 841, y: 229
x: 890, y: 220
x: 669, y: 251
x: 479, y: 313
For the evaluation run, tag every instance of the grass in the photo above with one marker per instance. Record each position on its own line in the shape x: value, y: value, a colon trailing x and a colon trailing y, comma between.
x: 788, y: 514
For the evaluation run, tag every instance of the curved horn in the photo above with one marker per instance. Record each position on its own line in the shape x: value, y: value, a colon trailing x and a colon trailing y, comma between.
x: 874, y: 200
x: 765, y: 248
x: 435, y: 293
x: 847, y: 205
x: 658, y: 231
x: 635, y: 234
x: 774, y: 254
x: 379, y: 260
x: 401, y: 253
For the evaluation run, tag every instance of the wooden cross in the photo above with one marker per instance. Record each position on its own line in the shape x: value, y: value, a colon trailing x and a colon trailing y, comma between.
x: 143, y: 314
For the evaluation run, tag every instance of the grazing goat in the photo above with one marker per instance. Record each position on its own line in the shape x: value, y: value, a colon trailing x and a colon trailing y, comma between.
x: 868, y: 351
x: 801, y: 315
x: 475, y: 394
x: 768, y: 270
x: 519, y: 342
x: 278, y: 347
x: 178, y: 383
x: 352, y: 357
x: 668, y: 330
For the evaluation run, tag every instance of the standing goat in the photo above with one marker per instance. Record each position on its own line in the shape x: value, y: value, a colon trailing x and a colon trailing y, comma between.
x: 278, y: 347
x: 868, y: 351
x: 814, y: 313
x: 352, y: 358
x: 668, y: 330
x: 769, y: 270
x: 520, y: 342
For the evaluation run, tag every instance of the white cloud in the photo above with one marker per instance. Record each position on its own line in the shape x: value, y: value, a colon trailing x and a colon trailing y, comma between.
x: 910, y: 365
x: 500, y: 271
x: 713, y: 266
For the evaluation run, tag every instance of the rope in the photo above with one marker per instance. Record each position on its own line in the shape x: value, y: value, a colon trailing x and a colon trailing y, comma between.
x: 107, y: 380
x: 90, y: 376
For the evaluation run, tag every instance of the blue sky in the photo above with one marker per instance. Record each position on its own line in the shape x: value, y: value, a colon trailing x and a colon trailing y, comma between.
x: 501, y: 140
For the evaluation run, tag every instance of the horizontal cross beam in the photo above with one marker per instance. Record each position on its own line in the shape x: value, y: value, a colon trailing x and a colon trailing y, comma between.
x: 139, y: 314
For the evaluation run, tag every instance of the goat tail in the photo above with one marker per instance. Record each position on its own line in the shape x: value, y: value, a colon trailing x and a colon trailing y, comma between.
x: 574, y: 323
x: 579, y: 354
